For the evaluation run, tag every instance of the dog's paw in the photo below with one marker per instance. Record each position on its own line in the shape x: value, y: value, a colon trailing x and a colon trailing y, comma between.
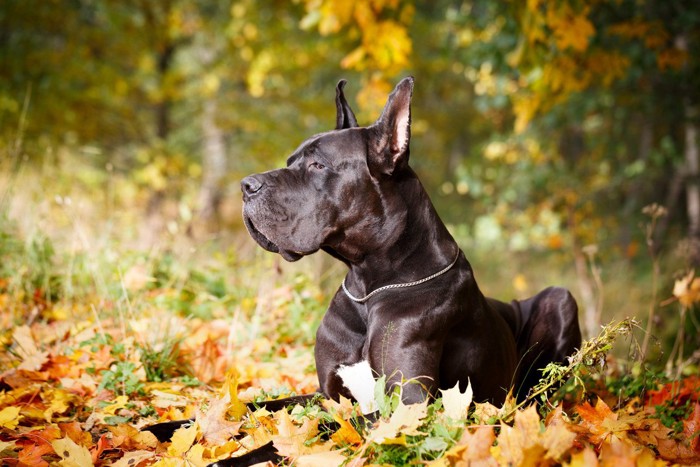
x: 358, y: 378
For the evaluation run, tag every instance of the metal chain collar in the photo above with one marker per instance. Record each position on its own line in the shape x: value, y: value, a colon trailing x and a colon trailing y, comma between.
x: 398, y: 286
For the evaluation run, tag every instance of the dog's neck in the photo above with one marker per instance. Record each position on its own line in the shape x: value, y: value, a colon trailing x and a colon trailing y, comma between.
x: 417, y: 246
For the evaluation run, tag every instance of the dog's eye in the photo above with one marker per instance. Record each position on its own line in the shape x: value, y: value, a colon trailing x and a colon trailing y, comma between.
x: 317, y: 166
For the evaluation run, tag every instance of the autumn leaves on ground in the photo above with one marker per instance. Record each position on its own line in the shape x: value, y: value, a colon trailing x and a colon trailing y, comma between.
x: 171, y: 340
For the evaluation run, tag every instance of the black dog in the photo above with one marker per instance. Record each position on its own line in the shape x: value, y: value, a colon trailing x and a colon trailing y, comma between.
x: 410, y: 305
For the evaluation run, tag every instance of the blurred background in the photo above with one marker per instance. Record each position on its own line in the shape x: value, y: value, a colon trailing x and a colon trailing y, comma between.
x: 558, y: 139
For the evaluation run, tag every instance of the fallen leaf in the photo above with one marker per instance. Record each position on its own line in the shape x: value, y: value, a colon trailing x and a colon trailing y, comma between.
x: 10, y: 417
x: 164, y: 400
x: 602, y: 423
x: 4, y: 445
x: 133, y: 458
x: 457, y: 403
x: 406, y: 420
x: 346, y: 434
x: 213, y: 425
x: 32, y: 454
x: 119, y: 403
x: 528, y: 441
x: 291, y: 439
x: 478, y: 444
x: 236, y: 408
x: 182, y: 440
x: 585, y: 458
x: 321, y: 459
x: 71, y: 453
x: 127, y: 437
x: 25, y: 347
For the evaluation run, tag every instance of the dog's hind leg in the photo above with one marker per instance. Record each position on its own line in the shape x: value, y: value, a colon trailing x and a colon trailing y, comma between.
x: 549, y: 332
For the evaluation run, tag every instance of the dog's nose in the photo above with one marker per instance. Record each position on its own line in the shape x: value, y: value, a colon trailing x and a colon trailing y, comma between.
x: 250, y: 185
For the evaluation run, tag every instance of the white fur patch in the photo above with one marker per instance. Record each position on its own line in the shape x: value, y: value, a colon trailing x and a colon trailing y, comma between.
x: 359, y: 380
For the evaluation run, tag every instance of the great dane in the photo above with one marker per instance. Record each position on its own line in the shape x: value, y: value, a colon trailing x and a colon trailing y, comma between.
x: 410, y: 307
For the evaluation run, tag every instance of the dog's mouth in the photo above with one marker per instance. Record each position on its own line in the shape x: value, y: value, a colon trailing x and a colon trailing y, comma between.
x: 268, y: 244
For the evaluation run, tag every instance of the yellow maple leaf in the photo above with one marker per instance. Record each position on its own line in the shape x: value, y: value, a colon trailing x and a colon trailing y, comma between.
x: 71, y: 453
x: 406, y: 420
x: 182, y: 440
x: 9, y: 417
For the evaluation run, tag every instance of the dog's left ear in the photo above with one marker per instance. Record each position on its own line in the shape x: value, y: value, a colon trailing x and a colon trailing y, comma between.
x: 344, y: 118
x: 392, y: 131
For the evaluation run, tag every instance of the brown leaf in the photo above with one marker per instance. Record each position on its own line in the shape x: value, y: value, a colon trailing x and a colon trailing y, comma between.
x: 214, y: 426
x: 478, y: 444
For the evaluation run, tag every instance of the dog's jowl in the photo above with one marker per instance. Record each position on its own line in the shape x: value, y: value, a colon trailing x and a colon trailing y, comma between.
x: 409, y: 306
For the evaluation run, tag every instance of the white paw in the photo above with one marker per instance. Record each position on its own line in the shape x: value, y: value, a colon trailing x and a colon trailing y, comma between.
x: 358, y: 378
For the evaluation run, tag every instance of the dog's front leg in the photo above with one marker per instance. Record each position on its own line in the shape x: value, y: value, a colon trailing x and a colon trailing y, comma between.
x: 408, y: 357
x: 339, y: 342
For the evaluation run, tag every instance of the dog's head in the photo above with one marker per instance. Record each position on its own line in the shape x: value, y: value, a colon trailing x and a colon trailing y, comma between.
x: 337, y: 191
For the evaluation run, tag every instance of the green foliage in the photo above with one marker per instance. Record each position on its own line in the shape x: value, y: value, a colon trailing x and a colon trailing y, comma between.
x: 673, y: 415
x: 29, y: 267
x: 121, y: 378
x: 160, y: 361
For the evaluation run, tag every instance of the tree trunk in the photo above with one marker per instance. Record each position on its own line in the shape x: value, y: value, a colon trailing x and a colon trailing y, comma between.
x: 692, y: 164
x: 213, y: 165
x: 692, y: 167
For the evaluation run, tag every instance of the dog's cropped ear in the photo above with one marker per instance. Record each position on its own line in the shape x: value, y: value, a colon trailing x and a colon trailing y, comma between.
x: 344, y: 118
x: 392, y: 131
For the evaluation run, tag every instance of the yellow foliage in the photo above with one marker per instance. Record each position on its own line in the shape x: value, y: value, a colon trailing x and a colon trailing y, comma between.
x: 570, y: 28
x: 384, y: 43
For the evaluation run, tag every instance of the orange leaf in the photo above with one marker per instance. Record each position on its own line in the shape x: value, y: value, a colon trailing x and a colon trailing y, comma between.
x: 346, y: 434
x: 602, y: 423
x: 31, y: 454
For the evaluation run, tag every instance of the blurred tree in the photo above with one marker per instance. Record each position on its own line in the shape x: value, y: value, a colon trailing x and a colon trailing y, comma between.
x: 596, y: 93
x: 552, y: 122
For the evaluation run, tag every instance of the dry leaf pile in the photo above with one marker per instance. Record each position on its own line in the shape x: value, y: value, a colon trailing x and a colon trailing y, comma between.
x: 74, y: 397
